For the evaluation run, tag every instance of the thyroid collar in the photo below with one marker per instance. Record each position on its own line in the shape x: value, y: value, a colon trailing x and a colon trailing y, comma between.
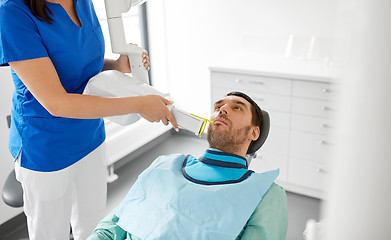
x: 216, y: 167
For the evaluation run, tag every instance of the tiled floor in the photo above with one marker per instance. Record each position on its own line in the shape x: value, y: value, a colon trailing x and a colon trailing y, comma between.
x: 300, y: 208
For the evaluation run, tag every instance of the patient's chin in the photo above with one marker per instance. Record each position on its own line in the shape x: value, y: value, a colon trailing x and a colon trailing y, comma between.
x: 218, y: 139
x: 222, y: 138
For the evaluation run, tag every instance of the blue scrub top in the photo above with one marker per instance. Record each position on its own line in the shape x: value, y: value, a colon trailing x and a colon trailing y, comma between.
x: 49, y: 143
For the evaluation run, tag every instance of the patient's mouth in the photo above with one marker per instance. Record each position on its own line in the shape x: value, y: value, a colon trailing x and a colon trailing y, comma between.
x: 221, y: 120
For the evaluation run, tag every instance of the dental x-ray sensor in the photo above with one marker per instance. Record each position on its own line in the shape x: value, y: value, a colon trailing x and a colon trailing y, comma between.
x: 113, y: 83
x: 117, y: 84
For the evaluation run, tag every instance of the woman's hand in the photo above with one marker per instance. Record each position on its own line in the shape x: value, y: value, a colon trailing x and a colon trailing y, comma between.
x: 122, y: 63
x: 154, y: 109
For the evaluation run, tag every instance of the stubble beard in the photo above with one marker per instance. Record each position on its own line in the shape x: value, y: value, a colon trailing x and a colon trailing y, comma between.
x: 230, y: 140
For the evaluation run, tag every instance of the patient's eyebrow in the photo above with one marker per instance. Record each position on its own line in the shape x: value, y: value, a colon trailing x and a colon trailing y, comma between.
x: 235, y: 101
x: 218, y: 102
x: 240, y: 103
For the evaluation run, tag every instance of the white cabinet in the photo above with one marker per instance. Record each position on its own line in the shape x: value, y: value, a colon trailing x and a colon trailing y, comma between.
x: 307, y: 89
x: 307, y: 174
x: 250, y: 82
x: 268, y: 161
x: 309, y: 146
x: 300, y: 113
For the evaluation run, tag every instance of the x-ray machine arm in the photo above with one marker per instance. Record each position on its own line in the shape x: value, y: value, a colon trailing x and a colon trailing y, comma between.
x: 114, y: 11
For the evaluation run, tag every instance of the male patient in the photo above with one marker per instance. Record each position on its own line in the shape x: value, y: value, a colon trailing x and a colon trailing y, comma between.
x: 214, y: 197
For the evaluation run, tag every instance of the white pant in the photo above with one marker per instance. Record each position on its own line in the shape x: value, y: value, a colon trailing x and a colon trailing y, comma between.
x: 75, y: 195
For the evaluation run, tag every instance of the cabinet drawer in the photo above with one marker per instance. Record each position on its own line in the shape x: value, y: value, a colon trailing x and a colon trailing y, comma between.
x: 279, y: 119
x: 277, y: 142
x: 267, y: 161
x: 313, y: 90
x: 309, y: 146
x: 312, y: 107
x: 255, y: 83
x: 264, y: 100
x: 312, y: 124
x: 308, y: 174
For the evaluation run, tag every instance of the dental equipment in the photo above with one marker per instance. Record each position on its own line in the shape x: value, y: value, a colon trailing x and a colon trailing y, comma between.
x: 113, y: 83
x: 117, y: 84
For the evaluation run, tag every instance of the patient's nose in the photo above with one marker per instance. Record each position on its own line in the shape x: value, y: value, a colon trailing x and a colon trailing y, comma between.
x: 223, y: 109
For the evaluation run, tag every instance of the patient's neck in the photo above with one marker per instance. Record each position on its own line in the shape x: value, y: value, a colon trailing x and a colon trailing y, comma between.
x: 232, y: 149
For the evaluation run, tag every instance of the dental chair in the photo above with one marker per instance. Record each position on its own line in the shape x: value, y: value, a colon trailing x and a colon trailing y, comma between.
x: 12, y: 190
x: 264, y: 132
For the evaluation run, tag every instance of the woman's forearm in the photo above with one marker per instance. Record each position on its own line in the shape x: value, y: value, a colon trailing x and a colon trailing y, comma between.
x: 151, y: 107
x: 41, y: 79
x: 90, y: 107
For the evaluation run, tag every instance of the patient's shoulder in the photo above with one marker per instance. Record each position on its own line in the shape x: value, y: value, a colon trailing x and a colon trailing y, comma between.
x: 270, y: 218
x: 274, y: 202
x: 275, y: 194
x: 276, y: 190
x: 275, y: 197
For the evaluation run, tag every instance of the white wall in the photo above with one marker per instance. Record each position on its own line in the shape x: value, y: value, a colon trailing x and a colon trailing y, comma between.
x: 6, y: 162
x: 201, y: 33
x: 359, y: 193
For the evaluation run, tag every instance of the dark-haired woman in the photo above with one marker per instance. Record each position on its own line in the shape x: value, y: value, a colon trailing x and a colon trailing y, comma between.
x: 57, y: 134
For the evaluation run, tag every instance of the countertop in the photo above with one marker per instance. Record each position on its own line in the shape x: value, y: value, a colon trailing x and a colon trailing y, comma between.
x: 276, y: 66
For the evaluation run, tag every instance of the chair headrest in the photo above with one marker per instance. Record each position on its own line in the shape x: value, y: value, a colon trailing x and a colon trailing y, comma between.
x: 264, y: 132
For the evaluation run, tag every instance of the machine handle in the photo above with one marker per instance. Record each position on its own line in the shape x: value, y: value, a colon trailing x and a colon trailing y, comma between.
x: 137, y: 68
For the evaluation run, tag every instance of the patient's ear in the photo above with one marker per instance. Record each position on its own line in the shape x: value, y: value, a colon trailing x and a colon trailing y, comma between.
x: 254, y: 133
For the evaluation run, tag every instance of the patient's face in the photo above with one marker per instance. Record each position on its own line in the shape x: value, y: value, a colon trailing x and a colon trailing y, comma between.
x: 232, y: 123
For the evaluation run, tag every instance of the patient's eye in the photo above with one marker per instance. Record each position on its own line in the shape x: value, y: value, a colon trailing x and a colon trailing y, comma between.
x: 237, y: 108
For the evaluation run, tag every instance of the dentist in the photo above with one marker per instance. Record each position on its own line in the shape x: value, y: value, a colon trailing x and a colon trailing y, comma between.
x: 57, y: 134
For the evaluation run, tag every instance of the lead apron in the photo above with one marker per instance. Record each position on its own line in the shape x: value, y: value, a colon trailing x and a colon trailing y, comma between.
x: 163, y: 204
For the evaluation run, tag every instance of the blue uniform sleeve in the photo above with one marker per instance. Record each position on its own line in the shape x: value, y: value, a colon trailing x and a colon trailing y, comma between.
x: 19, y: 35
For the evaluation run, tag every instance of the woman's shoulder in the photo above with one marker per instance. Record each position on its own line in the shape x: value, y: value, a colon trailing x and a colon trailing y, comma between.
x: 13, y: 13
x: 12, y: 3
x: 13, y: 6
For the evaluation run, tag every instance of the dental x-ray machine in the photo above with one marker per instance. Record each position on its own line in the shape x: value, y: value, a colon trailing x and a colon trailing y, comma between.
x: 117, y: 84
